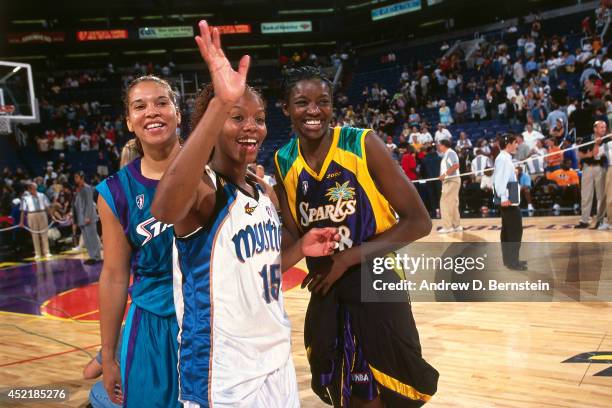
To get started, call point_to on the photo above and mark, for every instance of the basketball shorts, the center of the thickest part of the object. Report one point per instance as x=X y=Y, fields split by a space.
x=278 y=390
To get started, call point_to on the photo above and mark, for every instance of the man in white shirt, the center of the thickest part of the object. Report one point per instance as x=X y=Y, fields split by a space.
x=605 y=149
x=425 y=136
x=512 y=222
x=451 y=183
x=36 y=205
x=443 y=134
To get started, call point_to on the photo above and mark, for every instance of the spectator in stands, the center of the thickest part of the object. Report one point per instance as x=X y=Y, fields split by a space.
x=425 y=137
x=444 y=111
x=478 y=109
x=35 y=207
x=408 y=160
x=522 y=150
x=557 y=132
x=460 y=110
x=85 y=141
x=85 y=217
x=566 y=187
x=413 y=118
x=443 y=134
x=553 y=162
x=479 y=164
x=260 y=172
x=58 y=142
x=451 y=183
x=464 y=143
x=593 y=175
x=530 y=136
x=525 y=185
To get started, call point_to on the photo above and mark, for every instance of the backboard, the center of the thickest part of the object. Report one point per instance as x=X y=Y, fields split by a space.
x=17 y=90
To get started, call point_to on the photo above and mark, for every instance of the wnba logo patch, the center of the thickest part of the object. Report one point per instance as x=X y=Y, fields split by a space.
x=140 y=201
x=360 y=378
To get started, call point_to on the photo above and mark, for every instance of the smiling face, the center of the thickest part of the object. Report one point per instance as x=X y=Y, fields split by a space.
x=309 y=107
x=152 y=114
x=244 y=130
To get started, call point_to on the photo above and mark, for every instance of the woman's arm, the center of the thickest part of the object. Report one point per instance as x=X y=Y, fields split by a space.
x=414 y=221
x=114 y=281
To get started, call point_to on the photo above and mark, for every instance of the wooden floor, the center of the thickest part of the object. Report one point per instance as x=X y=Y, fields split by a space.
x=488 y=354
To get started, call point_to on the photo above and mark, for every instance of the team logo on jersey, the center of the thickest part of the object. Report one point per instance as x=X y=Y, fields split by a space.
x=248 y=209
x=304 y=186
x=343 y=197
x=150 y=229
x=594 y=357
x=140 y=201
x=255 y=239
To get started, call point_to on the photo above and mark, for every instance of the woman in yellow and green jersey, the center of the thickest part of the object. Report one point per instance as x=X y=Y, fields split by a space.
x=360 y=354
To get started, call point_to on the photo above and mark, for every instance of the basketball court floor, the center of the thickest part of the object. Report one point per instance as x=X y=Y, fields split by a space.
x=489 y=354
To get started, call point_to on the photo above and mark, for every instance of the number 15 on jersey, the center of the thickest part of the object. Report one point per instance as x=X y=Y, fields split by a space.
x=271 y=281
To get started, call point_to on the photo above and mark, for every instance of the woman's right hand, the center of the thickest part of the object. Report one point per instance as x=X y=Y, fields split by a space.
x=111 y=377
x=229 y=85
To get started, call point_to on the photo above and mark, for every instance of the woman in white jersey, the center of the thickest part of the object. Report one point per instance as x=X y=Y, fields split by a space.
x=235 y=335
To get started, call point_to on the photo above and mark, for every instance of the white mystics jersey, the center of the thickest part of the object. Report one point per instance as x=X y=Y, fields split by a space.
x=234 y=328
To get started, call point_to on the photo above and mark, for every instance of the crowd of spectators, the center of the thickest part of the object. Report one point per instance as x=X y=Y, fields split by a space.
x=538 y=87
x=546 y=89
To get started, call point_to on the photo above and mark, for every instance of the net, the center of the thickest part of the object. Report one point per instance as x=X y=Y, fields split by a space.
x=5 y=118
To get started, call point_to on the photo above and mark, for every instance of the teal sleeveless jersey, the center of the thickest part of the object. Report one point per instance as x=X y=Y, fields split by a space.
x=129 y=195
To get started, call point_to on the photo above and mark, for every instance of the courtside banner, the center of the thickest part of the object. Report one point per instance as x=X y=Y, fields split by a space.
x=153 y=33
x=286 y=27
x=395 y=9
x=475 y=272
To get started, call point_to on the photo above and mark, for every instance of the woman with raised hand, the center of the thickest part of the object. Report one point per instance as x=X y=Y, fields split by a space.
x=235 y=341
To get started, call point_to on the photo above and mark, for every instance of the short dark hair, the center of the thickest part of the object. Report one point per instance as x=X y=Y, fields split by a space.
x=306 y=73
x=506 y=139
x=445 y=142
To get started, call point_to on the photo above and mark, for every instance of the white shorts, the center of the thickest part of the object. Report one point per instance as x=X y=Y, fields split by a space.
x=279 y=390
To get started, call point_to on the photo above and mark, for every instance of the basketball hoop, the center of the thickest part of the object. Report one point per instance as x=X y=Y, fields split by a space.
x=5 y=118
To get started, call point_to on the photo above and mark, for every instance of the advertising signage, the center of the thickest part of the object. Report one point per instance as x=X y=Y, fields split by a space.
x=286 y=27
x=234 y=29
x=100 y=35
x=395 y=9
x=36 y=37
x=153 y=33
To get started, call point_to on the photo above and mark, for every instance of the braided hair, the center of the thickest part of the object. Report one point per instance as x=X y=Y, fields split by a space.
x=307 y=73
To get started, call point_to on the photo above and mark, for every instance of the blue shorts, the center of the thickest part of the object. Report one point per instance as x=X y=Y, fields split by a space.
x=149 y=360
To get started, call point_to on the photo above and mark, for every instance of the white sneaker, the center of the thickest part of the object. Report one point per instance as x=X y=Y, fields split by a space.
x=604 y=226
x=445 y=231
x=49 y=255
x=556 y=207
x=530 y=207
x=576 y=207
x=458 y=229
